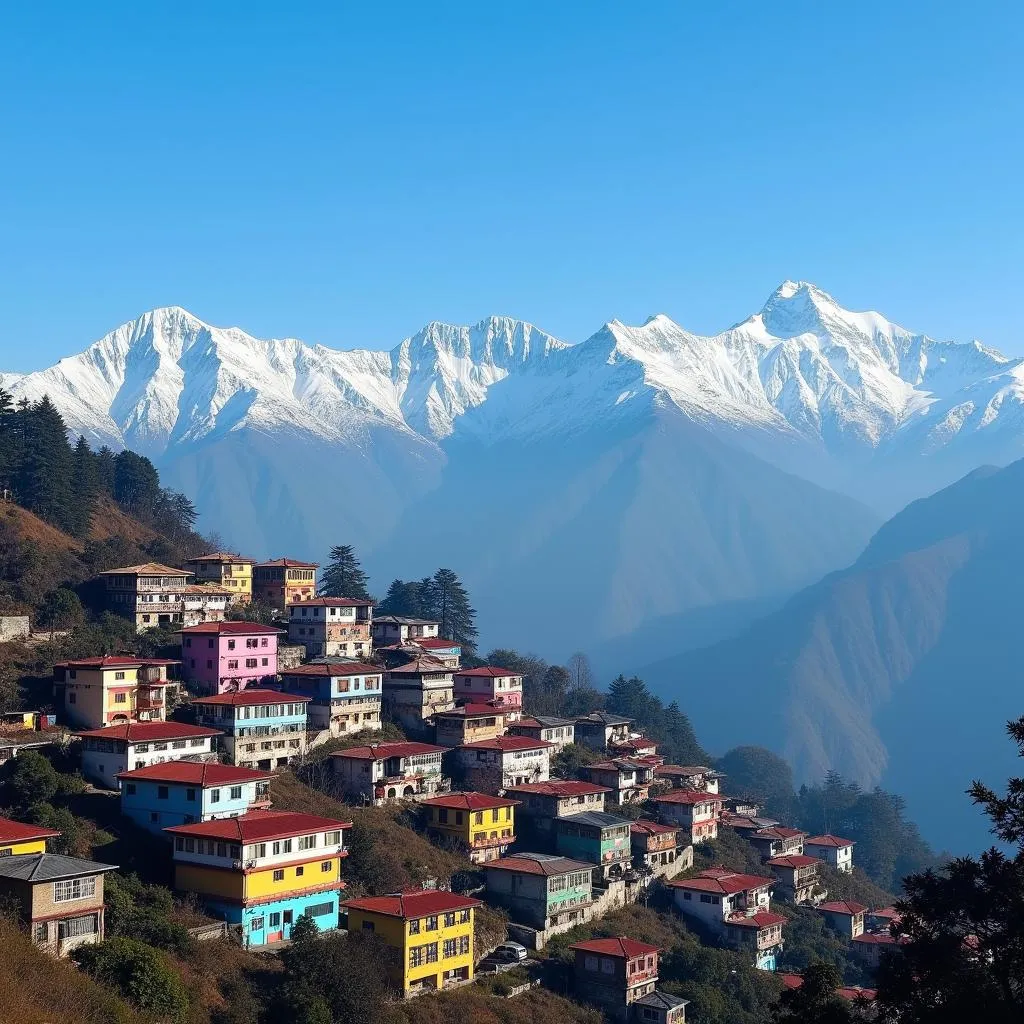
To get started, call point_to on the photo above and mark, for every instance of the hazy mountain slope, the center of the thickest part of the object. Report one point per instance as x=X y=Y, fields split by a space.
x=901 y=669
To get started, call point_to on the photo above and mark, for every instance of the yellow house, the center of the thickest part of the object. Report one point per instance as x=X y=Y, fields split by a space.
x=283 y=581
x=263 y=870
x=484 y=825
x=113 y=690
x=17 y=838
x=232 y=572
x=430 y=931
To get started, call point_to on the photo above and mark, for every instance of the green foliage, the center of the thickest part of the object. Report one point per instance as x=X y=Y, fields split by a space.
x=571 y=758
x=343 y=576
x=815 y=1001
x=28 y=779
x=139 y=910
x=61 y=609
x=441 y=598
x=141 y=974
x=761 y=775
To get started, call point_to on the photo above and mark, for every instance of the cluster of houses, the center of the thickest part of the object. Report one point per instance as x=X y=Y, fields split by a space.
x=553 y=851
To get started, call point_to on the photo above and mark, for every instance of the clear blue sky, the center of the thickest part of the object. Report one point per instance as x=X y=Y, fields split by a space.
x=344 y=173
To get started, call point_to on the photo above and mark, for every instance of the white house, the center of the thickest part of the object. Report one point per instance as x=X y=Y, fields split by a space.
x=715 y=895
x=122 y=748
x=695 y=809
x=559 y=732
x=832 y=849
x=380 y=772
x=333 y=627
x=496 y=764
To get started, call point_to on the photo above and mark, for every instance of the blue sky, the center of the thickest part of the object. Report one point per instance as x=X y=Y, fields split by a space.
x=344 y=173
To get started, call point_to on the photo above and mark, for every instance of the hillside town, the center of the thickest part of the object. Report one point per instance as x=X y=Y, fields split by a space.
x=189 y=747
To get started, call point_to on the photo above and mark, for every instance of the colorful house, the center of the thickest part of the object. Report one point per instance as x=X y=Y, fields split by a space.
x=696 y=810
x=559 y=732
x=415 y=691
x=469 y=723
x=17 y=838
x=542 y=891
x=231 y=573
x=760 y=934
x=430 y=931
x=497 y=764
x=150 y=594
x=832 y=850
x=483 y=825
x=218 y=657
x=395 y=630
x=113 y=690
x=381 y=772
x=488 y=684
x=628 y=778
x=332 y=627
x=448 y=652
x=657 y=846
x=659 y=1007
x=870 y=947
x=344 y=697
x=283 y=581
x=263 y=871
x=184 y=792
x=58 y=899
x=261 y=728
x=845 y=917
x=614 y=973
x=543 y=802
x=107 y=753
x=601 y=839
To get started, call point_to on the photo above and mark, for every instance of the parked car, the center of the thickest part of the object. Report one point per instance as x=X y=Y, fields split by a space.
x=510 y=952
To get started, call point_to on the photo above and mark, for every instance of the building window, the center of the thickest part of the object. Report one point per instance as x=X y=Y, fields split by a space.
x=120 y=698
x=236 y=792
x=432 y=924
x=214 y=796
x=299 y=872
x=279 y=875
x=414 y=927
x=307 y=842
x=250 y=662
x=464 y=917
x=256 y=925
x=332 y=839
x=74 y=889
x=119 y=675
x=449 y=920
x=275 y=919
x=130 y=788
x=162 y=792
x=190 y=794
x=318 y=910
x=449 y=949
x=87 y=924
x=326 y=865
x=42 y=932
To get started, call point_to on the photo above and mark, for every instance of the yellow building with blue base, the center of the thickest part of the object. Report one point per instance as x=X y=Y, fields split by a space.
x=263 y=871
x=430 y=932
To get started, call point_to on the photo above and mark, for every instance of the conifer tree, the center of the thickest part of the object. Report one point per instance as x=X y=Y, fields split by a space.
x=344 y=576
x=448 y=602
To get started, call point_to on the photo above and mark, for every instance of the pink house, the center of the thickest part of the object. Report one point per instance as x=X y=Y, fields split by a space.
x=220 y=657
x=487 y=683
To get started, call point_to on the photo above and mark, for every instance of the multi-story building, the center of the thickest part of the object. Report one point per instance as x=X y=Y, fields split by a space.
x=17 y=838
x=488 y=684
x=184 y=792
x=149 y=594
x=448 y=652
x=602 y=730
x=469 y=723
x=332 y=627
x=395 y=630
x=113 y=690
x=658 y=846
x=344 y=698
x=231 y=573
x=832 y=850
x=638 y=747
x=660 y=1007
x=614 y=973
x=484 y=826
x=696 y=810
x=490 y=766
x=759 y=934
x=628 y=778
x=688 y=776
x=799 y=878
x=218 y=657
x=380 y=772
x=777 y=841
x=430 y=931
x=59 y=900
x=107 y=753
x=601 y=839
x=263 y=871
x=846 y=917
x=204 y=602
x=415 y=691
x=542 y=891
x=261 y=729
x=543 y=802
x=283 y=581
x=559 y=732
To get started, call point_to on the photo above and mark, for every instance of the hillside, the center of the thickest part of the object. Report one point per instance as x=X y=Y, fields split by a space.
x=898 y=670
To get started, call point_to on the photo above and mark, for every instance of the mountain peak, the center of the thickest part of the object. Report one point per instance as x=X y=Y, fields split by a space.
x=797 y=307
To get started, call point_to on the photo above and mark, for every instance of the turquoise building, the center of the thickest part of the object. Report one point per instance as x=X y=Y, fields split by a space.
x=262 y=729
x=602 y=839
x=542 y=890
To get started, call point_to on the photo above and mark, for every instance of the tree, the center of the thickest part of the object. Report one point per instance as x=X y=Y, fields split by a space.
x=962 y=954
x=403 y=598
x=84 y=487
x=447 y=602
x=61 y=609
x=343 y=576
x=761 y=775
x=815 y=1001
x=32 y=780
x=631 y=699
x=141 y=974
x=581 y=675
x=136 y=484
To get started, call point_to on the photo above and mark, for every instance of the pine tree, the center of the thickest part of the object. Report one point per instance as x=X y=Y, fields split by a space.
x=403 y=598
x=344 y=576
x=448 y=604
x=43 y=482
x=84 y=486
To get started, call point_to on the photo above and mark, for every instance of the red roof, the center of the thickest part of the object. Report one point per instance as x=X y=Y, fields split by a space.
x=332 y=602
x=642 y=827
x=791 y=980
x=431 y=643
x=794 y=860
x=504 y=743
x=287 y=563
x=538 y=864
x=258 y=826
x=688 y=796
x=723 y=882
x=622 y=947
x=778 y=832
x=889 y=913
x=855 y=992
x=230 y=628
x=380 y=751
x=335 y=668
x=762 y=919
x=618 y=764
x=471 y=711
x=490 y=671
x=828 y=840
x=198 y=773
x=18 y=832
x=635 y=744
x=420 y=903
x=843 y=907
x=468 y=801
x=222 y=556
x=145 y=732
x=559 y=787
x=875 y=939
x=114 y=661
x=244 y=698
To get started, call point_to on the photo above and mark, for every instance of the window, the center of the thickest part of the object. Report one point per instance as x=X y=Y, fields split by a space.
x=214 y=796
x=431 y=924
x=318 y=910
x=326 y=865
x=141 y=748
x=178 y=745
x=300 y=871
x=464 y=917
x=449 y=920
x=414 y=927
x=119 y=675
x=279 y=875
x=307 y=842
x=368 y=926
x=256 y=925
x=120 y=698
x=130 y=788
x=449 y=949
x=464 y=945
x=87 y=924
x=190 y=845
x=231 y=645
x=162 y=792
x=222 y=849
x=233 y=663
x=250 y=662
x=236 y=792
x=275 y=920
x=332 y=839
x=442 y=815
x=74 y=889
x=42 y=932
x=607 y=965
x=190 y=794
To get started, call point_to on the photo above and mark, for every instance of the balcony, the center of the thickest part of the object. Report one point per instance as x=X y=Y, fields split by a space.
x=151 y=700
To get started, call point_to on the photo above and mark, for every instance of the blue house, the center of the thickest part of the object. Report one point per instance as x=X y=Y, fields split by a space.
x=262 y=729
x=182 y=792
x=344 y=697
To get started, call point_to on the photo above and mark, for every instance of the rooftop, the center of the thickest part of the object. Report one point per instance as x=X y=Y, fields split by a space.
x=795 y=860
x=146 y=569
x=435 y=643
x=620 y=946
x=332 y=602
x=49 y=867
x=18 y=832
x=507 y=743
x=687 y=769
x=420 y=903
x=559 y=788
x=722 y=882
x=642 y=827
x=488 y=671
x=836 y=842
x=687 y=796
x=538 y=864
x=545 y=722
x=146 y=732
x=287 y=563
x=229 y=627
x=197 y=773
x=417 y=666
x=603 y=718
x=662 y=1000
x=472 y=711
x=778 y=832
x=259 y=826
x=222 y=556
x=850 y=907
x=762 y=919
x=382 y=751
x=115 y=661
x=248 y=698
x=468 y=801
x=405 y=620
x=596 y=819
x=334 y=668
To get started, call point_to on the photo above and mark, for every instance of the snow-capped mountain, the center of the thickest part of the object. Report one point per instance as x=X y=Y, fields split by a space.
x=495 y=439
